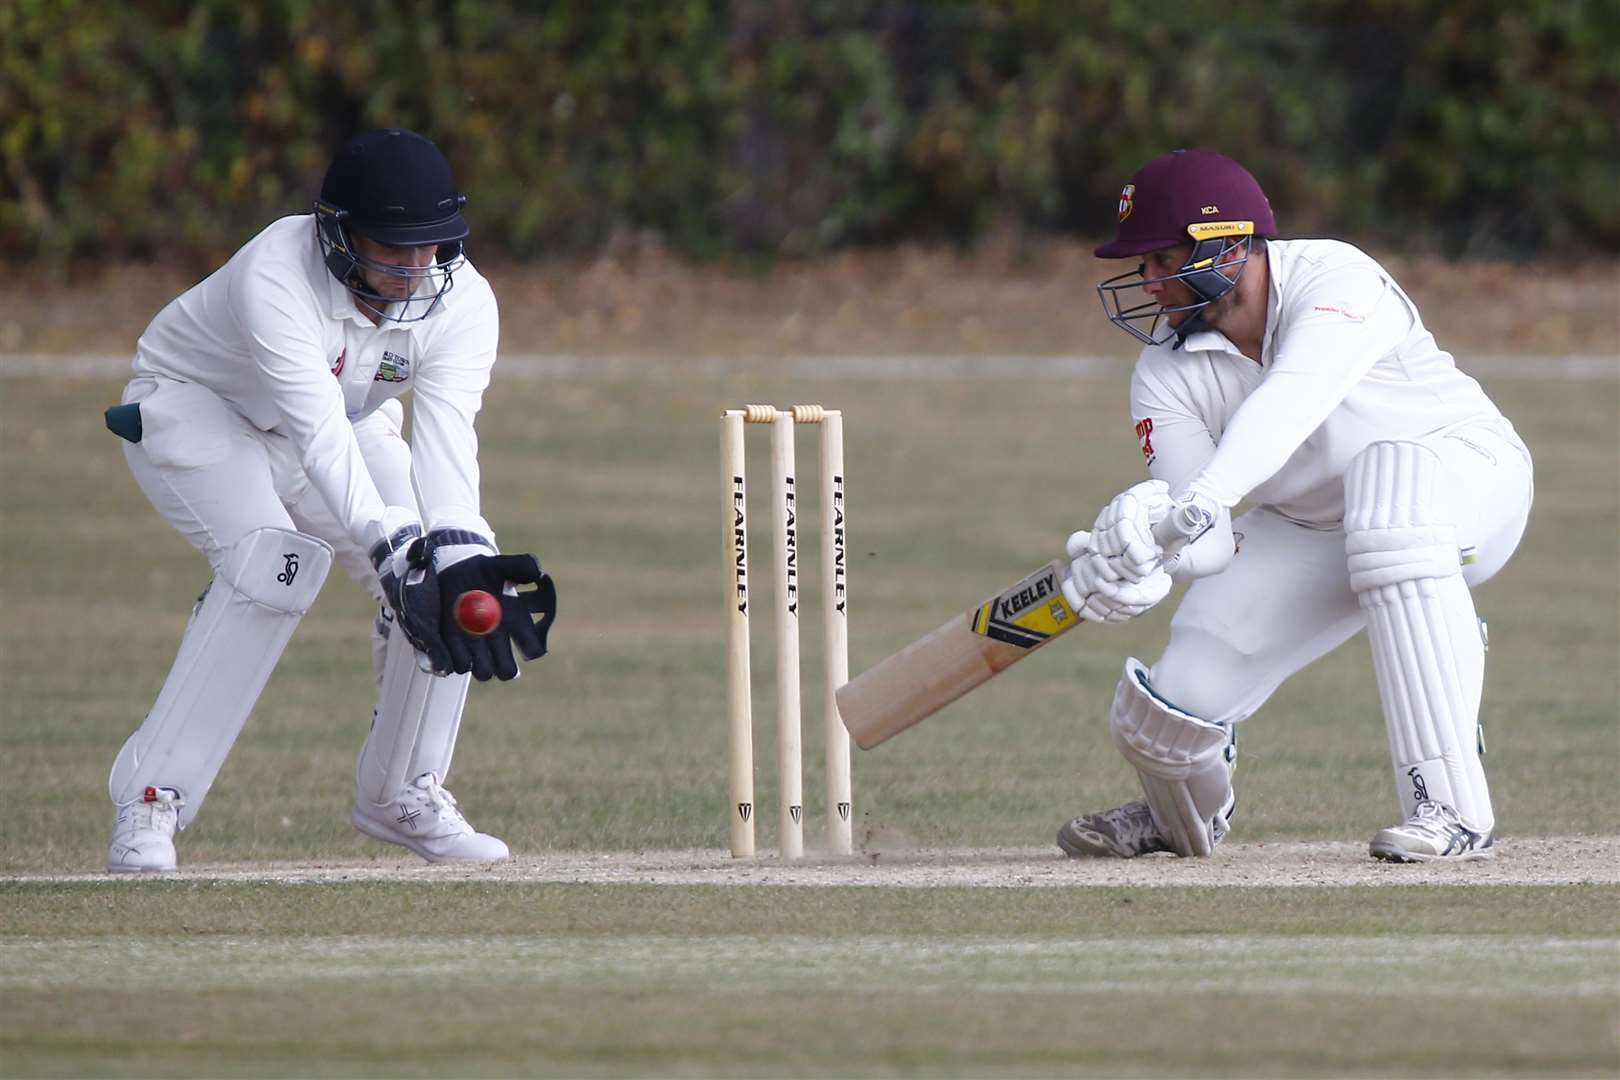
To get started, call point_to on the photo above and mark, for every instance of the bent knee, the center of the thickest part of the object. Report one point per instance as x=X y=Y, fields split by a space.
x=1210 y=677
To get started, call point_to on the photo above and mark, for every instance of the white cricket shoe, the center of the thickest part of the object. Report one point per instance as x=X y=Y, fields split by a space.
x=1434 y=831
x=143 y=833
x=424 y=818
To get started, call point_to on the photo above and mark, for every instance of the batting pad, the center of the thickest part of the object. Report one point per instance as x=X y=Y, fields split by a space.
x=1181 y=760
x=414 y=728
x=263 y=586
x=1428 y=656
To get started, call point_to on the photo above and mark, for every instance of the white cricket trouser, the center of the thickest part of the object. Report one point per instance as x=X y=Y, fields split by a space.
x=215 y=477
x=1285 y=600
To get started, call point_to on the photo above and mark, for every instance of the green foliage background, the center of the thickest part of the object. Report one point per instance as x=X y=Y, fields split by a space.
x=141 y=129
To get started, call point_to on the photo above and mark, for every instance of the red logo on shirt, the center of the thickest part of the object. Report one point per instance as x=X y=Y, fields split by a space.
x=337 y=365
x=1352 y=316
x=1144 y=435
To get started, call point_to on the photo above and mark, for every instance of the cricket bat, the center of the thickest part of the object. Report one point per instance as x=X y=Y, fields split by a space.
x=976 y=646
x=971 y=648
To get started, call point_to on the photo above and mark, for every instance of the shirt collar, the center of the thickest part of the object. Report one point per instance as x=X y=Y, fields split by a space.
x=1215 y=341
x=340 y=303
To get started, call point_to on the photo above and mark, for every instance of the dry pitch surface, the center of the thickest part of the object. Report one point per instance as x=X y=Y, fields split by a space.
x=1567 y=860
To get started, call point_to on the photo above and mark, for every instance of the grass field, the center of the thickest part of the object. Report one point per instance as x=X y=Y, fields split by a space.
x=580 y=980
x=616 y=742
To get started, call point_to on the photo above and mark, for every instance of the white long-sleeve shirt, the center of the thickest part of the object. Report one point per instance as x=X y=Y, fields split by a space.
x=1345 y=362
x=275 y=335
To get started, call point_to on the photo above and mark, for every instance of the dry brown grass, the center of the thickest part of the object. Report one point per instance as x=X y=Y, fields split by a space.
x=1009 y=297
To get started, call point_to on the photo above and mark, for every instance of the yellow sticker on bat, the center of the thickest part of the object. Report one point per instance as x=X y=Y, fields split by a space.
x=1027 y=614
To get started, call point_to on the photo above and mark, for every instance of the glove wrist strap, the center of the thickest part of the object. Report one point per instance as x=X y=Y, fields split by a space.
x=392 y=543
x=457 y=537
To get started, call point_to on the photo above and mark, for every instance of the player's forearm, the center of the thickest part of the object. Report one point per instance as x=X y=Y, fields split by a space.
x=1268 y=428
x=1334 y=335
x=333 y=461
x=445 y=463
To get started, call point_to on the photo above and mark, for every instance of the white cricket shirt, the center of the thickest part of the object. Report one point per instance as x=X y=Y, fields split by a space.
x=275 y=335
x=1346 y=362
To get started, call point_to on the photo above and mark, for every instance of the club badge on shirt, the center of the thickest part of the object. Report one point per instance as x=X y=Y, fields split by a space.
x=394 y=368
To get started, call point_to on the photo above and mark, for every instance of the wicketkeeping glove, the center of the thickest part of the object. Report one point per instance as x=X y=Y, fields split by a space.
x=408 y=583
x=461 y=561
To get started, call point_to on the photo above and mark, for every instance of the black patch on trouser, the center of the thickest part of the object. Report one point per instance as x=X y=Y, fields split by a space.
x=124 y=421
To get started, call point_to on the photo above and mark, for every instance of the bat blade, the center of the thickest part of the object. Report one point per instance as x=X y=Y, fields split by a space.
x=941 y=666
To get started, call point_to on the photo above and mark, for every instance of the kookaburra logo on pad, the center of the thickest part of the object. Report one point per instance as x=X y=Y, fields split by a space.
x=1419 y=789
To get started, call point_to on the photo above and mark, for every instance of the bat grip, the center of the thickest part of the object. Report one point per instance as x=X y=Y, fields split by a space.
x=1184 y=523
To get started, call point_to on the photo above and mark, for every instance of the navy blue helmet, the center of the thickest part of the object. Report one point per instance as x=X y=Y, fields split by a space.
x=393 y=187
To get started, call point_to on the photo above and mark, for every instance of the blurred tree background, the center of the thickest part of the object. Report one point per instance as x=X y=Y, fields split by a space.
x=144 y=130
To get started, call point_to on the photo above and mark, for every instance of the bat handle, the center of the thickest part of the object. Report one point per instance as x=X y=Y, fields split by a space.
x=1184 y=523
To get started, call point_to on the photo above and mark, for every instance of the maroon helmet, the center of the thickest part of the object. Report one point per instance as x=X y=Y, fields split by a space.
x=1170 y=194
x=1185 y=196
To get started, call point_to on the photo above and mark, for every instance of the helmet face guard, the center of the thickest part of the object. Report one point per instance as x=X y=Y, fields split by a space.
x=1209 y=272
x=394 y=188
x=426 y=284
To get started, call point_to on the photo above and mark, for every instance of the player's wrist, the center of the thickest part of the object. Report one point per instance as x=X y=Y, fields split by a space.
x=394 y=531
x=1201 y=499
x=451 y=546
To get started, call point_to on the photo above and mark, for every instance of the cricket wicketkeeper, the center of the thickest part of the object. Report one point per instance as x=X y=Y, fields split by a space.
x=264 y=423
x=1294 y=375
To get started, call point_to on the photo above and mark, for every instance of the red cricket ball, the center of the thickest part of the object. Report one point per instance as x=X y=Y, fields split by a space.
x=478 y=612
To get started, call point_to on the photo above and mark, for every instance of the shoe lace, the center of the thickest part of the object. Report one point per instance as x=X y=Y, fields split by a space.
x=161 y=812
x=1434 y=817
x=442 y=800
x=1132 y=822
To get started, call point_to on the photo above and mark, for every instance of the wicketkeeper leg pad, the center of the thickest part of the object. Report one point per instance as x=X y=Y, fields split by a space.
x=414 y=728
x=1402 y=551
x=1184 y=762
x=261 y=589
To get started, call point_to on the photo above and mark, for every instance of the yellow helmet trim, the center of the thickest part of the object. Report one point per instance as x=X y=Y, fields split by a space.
x=1206 y=230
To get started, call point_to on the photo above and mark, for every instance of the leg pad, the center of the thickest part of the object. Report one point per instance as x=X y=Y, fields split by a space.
x=1402 y=552
x=1184 y=762
x=263 y=586
x=414 y=728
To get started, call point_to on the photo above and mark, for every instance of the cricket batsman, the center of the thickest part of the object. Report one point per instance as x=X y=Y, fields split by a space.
x=1296 y=377
x=264 y=423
